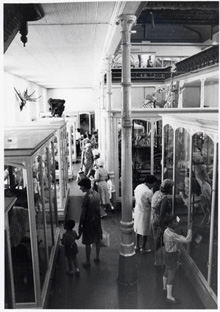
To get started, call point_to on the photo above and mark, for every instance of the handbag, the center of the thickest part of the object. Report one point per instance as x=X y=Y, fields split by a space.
x=105 y=242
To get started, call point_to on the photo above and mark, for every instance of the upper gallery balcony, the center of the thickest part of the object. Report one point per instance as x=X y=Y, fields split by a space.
x=200 y=60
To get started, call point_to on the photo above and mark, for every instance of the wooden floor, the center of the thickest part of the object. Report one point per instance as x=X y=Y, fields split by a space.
x=98 y=287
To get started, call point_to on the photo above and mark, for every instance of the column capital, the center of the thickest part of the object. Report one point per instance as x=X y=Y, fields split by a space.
x=126 y=21
x=109 y=58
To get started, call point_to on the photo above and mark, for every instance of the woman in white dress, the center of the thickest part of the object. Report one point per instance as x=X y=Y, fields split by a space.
x=142 y=212
x=101 y=177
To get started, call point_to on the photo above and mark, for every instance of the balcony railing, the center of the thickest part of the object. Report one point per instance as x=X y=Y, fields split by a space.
x=143 y=74
x=203 y=59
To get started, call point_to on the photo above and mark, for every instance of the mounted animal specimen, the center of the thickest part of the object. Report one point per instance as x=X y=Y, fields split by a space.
x=25 y=97
x=56 y=107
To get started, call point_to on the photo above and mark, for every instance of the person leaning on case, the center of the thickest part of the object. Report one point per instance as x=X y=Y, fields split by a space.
x=172 y=240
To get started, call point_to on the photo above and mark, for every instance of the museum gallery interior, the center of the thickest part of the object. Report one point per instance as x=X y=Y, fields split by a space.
x=141 y=79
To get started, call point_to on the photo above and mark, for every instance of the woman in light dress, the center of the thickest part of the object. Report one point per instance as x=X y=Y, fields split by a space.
x=101 y=177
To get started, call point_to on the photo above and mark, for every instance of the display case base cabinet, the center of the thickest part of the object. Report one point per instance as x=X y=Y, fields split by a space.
x=200 y=285
x=45 y=294
x=61 y=211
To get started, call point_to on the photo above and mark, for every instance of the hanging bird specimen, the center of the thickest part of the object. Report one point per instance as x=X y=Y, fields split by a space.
x=25 y=97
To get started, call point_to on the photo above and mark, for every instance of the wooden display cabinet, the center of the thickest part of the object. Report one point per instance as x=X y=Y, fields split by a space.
x=31 y=221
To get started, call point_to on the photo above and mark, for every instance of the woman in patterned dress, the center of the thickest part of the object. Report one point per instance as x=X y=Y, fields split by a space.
x=87 y=160
x=161 y=207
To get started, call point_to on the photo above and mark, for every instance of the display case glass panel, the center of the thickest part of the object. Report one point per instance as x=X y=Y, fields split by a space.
x=168 y=152
x=146 y=152
x=65 y=162
x=202 y=172
x=41 y=164
x=182 y=161
x=19 y=231
x=214 y=255
x=141 y=150
x=49 y=207
x=71 y=153
x=157 y=148
x=53 y=186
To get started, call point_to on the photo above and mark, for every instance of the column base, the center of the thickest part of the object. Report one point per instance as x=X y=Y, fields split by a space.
x=127 y=270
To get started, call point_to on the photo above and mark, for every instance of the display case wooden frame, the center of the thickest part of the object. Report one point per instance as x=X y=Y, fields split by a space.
x=21 y=149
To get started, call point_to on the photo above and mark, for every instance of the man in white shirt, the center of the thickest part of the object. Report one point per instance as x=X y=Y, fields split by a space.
x=142 y=212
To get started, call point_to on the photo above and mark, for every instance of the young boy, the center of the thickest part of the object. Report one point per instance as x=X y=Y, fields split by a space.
x=171 y=242
x=71 y=249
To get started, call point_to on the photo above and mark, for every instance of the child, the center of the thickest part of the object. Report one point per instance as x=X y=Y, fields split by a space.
x=110 y=190
x=92 y=179
x=171 y=242
x=80 y=176
x=71 y=249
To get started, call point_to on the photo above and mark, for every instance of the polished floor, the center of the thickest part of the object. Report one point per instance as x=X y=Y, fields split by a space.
x=99 y=288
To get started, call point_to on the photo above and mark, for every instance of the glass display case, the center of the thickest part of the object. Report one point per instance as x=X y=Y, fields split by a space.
x=86 y=122
x=71 y=143
x=31 y=220
x=61 y=155
x=195 y=196
x=146 y=148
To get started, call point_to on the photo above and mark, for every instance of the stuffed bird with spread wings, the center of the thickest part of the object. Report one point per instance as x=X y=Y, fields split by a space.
x=25 y=97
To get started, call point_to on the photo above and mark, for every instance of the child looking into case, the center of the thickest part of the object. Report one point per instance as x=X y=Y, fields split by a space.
x=71 y=249
x=171 y=243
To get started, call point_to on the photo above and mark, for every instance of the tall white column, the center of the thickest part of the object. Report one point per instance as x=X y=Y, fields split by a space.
x=102 y=121
x=127 y=258
x=202 y=93
x=180 y=99
x=152 y=147
x=109 y=121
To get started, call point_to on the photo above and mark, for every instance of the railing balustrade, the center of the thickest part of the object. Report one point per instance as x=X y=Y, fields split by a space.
x=203 y=59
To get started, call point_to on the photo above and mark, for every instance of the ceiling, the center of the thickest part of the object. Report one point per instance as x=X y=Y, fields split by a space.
x=67 y=48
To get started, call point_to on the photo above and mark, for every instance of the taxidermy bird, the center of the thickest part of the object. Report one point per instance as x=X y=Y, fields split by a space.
x=25 y=97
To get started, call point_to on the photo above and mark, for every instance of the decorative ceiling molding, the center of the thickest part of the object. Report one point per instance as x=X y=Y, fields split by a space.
x=16 y=18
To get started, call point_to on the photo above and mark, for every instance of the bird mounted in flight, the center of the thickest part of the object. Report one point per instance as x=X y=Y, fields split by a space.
x=25 y=97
